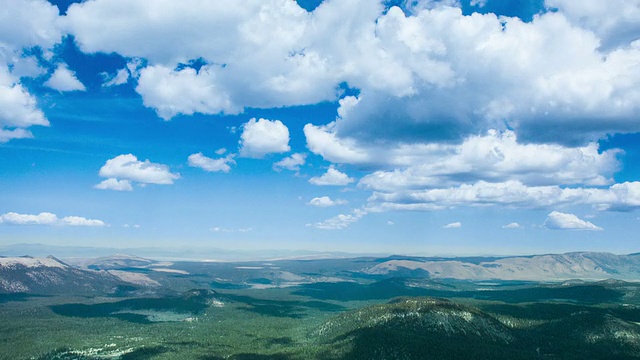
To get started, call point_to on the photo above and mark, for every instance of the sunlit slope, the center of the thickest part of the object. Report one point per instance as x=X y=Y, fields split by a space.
x=577 y=265
x=52 y=276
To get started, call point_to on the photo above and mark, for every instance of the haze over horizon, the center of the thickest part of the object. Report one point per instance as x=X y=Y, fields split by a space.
x=431 y=127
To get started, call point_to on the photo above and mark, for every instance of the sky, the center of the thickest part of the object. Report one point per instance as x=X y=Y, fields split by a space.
x=416 y=127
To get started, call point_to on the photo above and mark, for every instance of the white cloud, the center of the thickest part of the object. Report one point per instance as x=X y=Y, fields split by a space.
x=617 y=197
x=292 y=162
x=186 y=92
x=548 y=79
x=121 y=77
x=453 y=225
x=80 y=221
x=46 y=218
x=261 y=137
x=64 y=79
x=229 y=37
x=513 y=225
x=325 y=201
x=341 y=221
x=128 y=167
x=18 y=109
x=616 y=22
x=225 y=230
x=26 y=66
x=6 y=135
x=532 y=76
x=323 y=141
x=114 y=184
x=563 y=221
x=496 y=156
x=211 y=165
x=332 y=177
x=23 y=25
x=29 y=23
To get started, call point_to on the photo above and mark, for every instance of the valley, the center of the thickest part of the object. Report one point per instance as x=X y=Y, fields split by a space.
x=126 y=307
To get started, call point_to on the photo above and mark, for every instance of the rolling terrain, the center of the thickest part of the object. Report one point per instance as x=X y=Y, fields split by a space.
x=128 y=307
x=553 y=267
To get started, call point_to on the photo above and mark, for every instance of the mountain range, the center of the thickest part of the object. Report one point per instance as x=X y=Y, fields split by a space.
x=551 y=267
x=45 y=275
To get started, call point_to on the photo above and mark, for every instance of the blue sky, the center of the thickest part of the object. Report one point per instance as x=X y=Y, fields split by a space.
x=433 y=127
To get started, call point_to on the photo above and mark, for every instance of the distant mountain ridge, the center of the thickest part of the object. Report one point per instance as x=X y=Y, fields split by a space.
x=105 y=275
x=549 y=267
x=177 y=253
x=26 y=274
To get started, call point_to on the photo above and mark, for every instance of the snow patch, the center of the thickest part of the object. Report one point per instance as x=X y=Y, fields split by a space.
x=30 y=262
x=134 y=278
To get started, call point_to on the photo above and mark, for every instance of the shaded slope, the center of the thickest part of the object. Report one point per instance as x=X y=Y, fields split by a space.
x=427 y=328
x=418 y=328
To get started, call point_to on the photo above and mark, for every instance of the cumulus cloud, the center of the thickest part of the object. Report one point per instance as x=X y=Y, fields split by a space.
x=549 y=79
x=341 y=221
x=616 y=22
x=228 y=37
x=496 y=156
x=292 y=162
x=563 y=221
x=325 y=201
x=211 y=165
x=23 y=25
x=46 y=218
x=19 y=108
x=541 y=92
x=525 y=75
x=80 y=221
x=478 y=3
x=64 y=79
x=323 y=141
x=186 y=92
x=128 y=168
x=453 y=225
x=29 y=23
x=114 y=184
x=513 y=225
x=261 y=137
x=332 y=177
x=617 y=197
x=121 y=77
x=496 y=169
x=225 y=230
x=6 y=135
x=26 y=66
